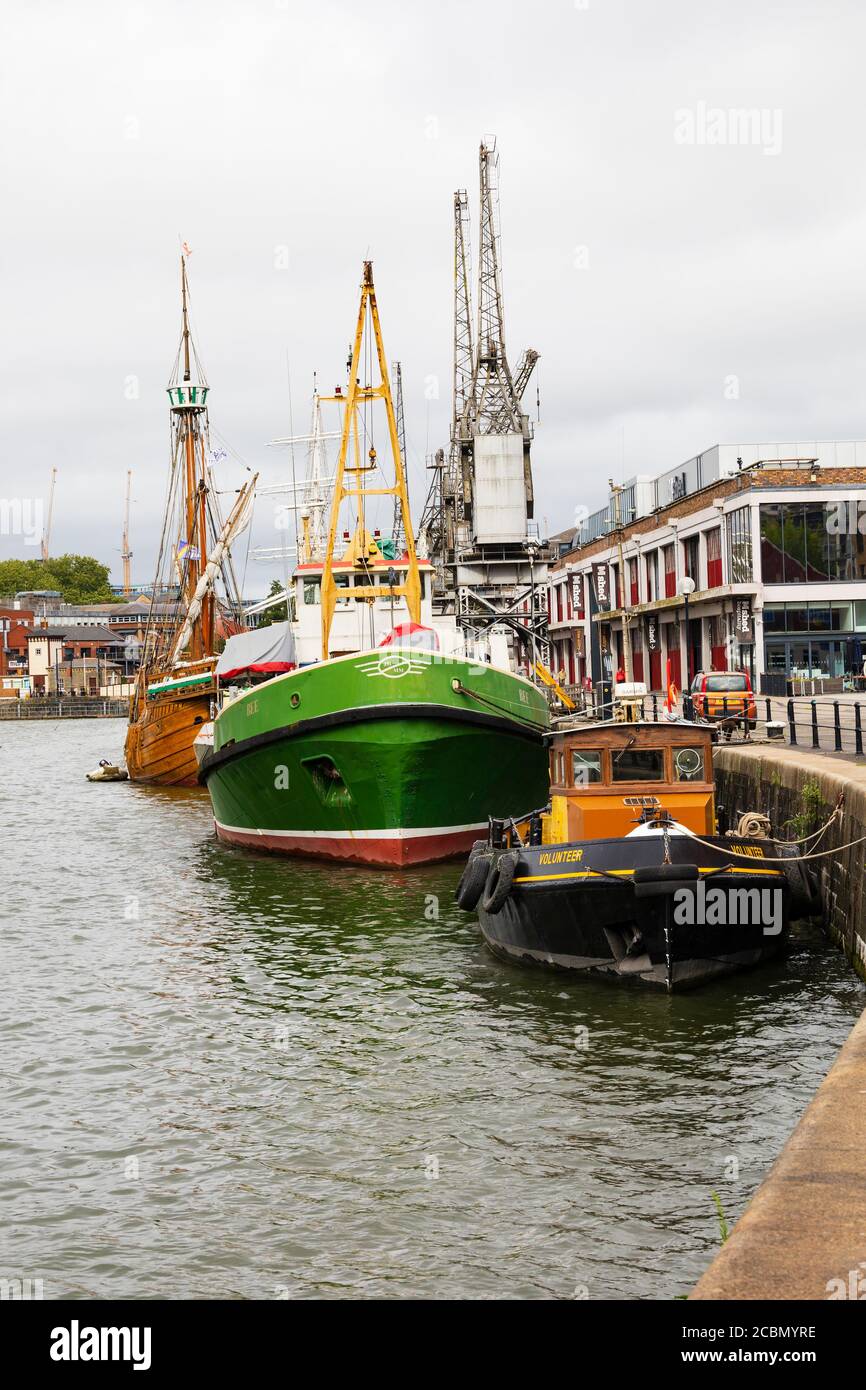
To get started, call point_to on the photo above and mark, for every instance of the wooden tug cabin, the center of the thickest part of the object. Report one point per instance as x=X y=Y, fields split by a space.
x=606 y=778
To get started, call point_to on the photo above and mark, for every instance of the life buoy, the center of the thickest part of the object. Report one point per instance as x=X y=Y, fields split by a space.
x=499 y=881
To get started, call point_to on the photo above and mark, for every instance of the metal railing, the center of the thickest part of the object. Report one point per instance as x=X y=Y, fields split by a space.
x=96 y=707
x=834 y=726
x=844 y=733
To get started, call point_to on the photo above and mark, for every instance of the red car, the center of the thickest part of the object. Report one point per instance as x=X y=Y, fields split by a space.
x=724 y=695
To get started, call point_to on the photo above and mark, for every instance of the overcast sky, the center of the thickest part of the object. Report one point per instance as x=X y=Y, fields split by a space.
x=681 y=290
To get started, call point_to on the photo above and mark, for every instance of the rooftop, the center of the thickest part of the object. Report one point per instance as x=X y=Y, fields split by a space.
x=73 y=633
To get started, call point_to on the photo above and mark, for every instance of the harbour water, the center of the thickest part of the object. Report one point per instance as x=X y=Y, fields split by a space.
x=227 y=1075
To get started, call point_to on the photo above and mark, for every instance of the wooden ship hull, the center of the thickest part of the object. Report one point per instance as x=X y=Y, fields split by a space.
x=159 y=743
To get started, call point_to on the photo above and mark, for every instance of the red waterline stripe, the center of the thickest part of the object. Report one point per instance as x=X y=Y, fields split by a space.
x=388 y=852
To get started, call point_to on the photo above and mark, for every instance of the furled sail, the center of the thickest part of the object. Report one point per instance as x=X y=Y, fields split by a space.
x=238 y=520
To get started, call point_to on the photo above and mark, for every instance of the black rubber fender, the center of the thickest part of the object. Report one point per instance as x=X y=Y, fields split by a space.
x=474 y=877
x=804 y=895
x=499 y=881
x=663 y=880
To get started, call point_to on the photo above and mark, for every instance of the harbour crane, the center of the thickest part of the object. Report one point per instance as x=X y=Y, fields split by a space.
x=46 y=530
x=477 y=525
x=125 y=552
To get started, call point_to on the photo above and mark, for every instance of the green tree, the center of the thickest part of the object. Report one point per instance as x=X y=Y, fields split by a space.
x=79 y=578
x=277 y=614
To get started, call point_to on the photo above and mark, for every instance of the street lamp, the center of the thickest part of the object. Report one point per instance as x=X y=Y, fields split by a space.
x=532 y=549
x=686 y=587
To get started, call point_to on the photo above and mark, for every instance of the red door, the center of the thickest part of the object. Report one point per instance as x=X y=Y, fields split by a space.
x=655 y=670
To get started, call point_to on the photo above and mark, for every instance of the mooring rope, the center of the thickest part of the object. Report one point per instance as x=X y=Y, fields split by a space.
x=784 y=859
x=460 y=689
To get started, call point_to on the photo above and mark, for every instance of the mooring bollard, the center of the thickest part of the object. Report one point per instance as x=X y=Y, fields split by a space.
x=816 y=742
x=837 y=728
x=792 y=727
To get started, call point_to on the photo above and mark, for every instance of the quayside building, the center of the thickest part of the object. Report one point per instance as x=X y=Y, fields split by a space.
x=773 y=538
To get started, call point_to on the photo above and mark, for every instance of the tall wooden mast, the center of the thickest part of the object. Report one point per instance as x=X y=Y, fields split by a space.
x=363 y=550
x=188 y=398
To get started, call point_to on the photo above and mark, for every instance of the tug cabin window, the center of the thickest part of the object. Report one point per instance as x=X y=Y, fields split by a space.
x=688 y=764
x=585 y=766
x=638 y=765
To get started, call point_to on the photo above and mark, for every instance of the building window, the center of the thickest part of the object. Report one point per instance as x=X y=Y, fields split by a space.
x=691 y=559
x=652 y=582
x=714 y=558
x=800 y=544
x=559 y=603
x=740 y=547
x=634 y=591
x=718 y=646
x=670 y=564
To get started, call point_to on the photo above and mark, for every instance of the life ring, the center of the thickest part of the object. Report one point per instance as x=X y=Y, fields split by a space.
x=499 y=881
x=473 y=878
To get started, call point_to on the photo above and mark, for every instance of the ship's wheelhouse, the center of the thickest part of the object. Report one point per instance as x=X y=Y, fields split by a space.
x=605 y=778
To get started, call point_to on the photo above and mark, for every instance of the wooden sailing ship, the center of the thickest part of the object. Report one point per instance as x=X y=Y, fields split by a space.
x=187 y=620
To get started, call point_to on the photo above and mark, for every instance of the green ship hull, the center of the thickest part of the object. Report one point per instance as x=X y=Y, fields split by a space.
x=390 y=757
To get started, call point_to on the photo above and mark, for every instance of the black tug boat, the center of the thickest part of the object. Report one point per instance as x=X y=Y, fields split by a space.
x=626 y=873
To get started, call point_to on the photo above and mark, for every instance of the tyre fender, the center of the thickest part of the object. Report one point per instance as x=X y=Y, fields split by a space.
x=473 y=878
x=499 y=881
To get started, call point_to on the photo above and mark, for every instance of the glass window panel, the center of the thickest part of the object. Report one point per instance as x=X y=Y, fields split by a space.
x=860 y=616
x=819 y=618
x=841 y=563
x=842 y=616
x=777 y=656
x=585 y=766
x=690 y=559
x=796 y=617
x=816 y=543
x=772 y=548
x=740 y=545
x=794 y=541
x=688 y=765
x=821 y=657
x=774 y=620
x=638 y=765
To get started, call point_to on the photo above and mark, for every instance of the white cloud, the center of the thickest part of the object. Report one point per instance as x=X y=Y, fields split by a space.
x=339 y=133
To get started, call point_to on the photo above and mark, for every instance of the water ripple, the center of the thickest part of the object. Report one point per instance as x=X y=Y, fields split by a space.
x=228 y=1076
